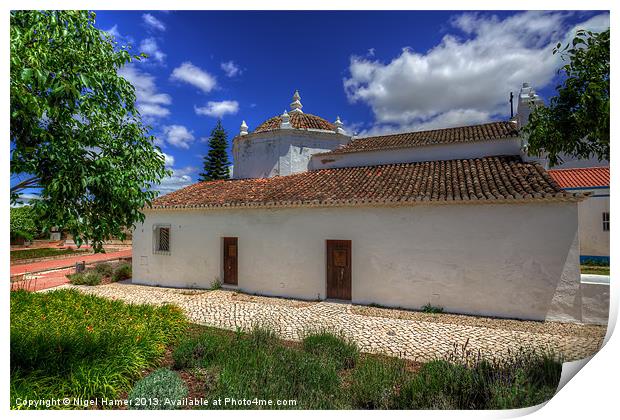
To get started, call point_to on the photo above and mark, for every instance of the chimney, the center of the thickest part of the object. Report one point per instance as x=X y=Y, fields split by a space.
x=527 y=101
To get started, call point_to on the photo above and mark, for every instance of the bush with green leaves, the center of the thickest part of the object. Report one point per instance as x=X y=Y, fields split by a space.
x=104 y=269
x=342 y=351
x=122 y=272
x=161 y=390
x=87 y=278
x=82 y=346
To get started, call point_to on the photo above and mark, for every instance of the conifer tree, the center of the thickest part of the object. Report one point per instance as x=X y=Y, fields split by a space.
x=215 y=165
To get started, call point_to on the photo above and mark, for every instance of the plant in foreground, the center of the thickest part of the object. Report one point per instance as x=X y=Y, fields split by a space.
x=342 y=351
x=374 y=383
x=88 y=278
x=104 y=269
x=81 y=346
x=122 y=272
x=430 y=309
x=158 y=391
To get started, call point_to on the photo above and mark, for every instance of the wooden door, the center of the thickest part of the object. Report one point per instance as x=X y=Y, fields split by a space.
x=230 y=260
x=339 y=269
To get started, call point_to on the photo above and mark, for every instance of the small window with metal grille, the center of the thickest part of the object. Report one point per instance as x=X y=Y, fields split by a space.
x=161 y=239
x=606 y=221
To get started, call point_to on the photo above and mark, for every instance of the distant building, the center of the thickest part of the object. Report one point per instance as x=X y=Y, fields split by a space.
x=593 y=212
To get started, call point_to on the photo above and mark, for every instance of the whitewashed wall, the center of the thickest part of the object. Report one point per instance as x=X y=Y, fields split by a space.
x=419 y=154
x=594 y=241
x=504 y=260
x=280 y=152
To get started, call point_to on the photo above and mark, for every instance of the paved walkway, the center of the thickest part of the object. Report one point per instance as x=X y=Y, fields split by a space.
x=67 y=262
x=422 y=339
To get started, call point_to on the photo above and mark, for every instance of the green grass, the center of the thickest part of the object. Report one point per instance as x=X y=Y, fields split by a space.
x=525 y=378
x=64 y=343
x=595 y=269
x=26 y=254
x=317 y=376
x=375 y=381
x=341 y=351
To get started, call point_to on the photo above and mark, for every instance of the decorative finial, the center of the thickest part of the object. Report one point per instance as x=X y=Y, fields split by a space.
x=243 y=130
x=286 y=122
x=338 y=124
x=296 y=105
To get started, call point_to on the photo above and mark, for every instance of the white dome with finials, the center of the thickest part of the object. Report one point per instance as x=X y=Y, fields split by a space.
x=297 y=118
x=284 y=144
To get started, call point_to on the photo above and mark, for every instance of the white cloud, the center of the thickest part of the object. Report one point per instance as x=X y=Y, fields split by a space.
x=218 y=109
x=150 y=47
x=169 y=159
x=180 y=178
x=114 y=31
x=178 y=136
x=230 y=68
x=118 y=37
x=189 y=73
x=462 y=80
x=153 y=23
x=150 y=102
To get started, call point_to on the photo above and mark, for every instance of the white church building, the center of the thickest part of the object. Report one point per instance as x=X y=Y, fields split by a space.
x=458 y=217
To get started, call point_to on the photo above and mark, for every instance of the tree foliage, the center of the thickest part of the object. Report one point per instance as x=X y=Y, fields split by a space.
x=576 y=122
x=24 y=223
x=77 y=138
x=215 y=165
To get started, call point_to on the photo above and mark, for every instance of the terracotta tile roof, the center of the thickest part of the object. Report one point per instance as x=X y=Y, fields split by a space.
x=581 y=177
x=497 y=178
x=298 y=120
x=472 y=133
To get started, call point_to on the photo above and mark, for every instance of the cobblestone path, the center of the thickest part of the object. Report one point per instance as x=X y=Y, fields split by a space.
x=383 y=331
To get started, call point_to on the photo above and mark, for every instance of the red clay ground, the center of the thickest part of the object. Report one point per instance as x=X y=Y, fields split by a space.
x=67 y=262
x=53 y=272
x=44 y=280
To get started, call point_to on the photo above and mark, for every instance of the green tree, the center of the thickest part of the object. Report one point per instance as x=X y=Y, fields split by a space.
x=576 y=122
x=77 y=138
x=215 y=165
x=23 y=223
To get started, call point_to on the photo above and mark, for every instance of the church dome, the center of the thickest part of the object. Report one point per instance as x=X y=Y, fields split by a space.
x=297 y=120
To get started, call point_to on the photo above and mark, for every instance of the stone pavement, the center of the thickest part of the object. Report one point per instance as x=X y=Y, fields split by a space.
x=415 y=339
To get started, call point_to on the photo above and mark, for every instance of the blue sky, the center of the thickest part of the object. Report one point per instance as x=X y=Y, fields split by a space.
x=379 y=71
